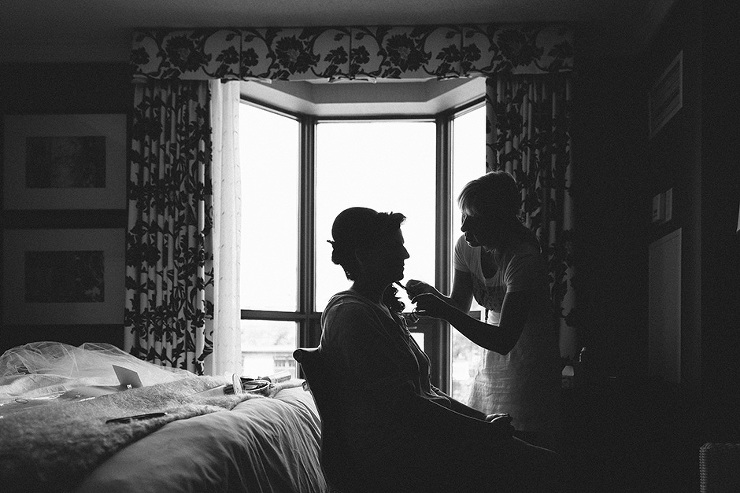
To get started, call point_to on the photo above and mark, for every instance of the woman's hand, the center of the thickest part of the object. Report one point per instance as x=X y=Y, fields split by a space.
x=431 y=305
x=415 y=288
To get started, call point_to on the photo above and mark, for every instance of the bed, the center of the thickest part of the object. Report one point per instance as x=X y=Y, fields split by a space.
x=55 y=401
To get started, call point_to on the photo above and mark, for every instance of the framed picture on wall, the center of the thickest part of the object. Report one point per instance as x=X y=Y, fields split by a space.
x=63 y=276
x=65 y=161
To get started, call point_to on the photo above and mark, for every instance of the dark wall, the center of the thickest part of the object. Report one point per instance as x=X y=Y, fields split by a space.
x=696 y=154
x=619 y=169
x=612 y=212
x=674 y=161
x=63 y=89
x=720 y=196
x=639 y=430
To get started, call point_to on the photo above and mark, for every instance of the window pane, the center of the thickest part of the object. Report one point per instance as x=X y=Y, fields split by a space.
x=387 y=166
x=267 y=347
x=419 y=338
x=468 y=163
x=270 y=169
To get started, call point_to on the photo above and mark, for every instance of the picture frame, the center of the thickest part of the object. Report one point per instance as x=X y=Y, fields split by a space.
x=64 y=161
x=63 y=276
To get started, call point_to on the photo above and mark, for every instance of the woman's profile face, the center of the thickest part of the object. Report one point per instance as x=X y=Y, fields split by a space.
x=386 y=260
x=481 y=230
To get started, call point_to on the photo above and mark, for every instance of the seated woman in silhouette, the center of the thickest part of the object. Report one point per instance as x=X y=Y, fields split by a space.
x=404 y=433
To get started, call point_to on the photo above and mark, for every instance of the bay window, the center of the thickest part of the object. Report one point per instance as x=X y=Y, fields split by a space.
x=300 y=170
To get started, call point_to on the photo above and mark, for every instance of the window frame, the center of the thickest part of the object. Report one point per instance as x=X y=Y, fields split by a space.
x=437 y=335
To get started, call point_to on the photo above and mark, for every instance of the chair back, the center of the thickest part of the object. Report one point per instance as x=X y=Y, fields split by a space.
x=338 y=470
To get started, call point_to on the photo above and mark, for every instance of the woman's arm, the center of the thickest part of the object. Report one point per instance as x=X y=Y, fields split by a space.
x=459 y=407
x=461 y=295
x=462 y=290
x=432 y=416
x=499 y=338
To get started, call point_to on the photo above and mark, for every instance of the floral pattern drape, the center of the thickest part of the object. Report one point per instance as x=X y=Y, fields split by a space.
x=169 y=251
x=351 y=52
x=528 y=135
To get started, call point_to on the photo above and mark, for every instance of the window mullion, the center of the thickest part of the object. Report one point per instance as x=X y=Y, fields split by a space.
x=442 y=247
x=444 y=203
x=309 y=332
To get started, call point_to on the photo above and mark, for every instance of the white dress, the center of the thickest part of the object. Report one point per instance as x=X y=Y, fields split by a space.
x=525 y=382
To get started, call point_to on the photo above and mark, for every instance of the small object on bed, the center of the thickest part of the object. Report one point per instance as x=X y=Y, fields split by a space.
x=236 y=384
x=281 y=376
x=128 y=379
x=136 y=417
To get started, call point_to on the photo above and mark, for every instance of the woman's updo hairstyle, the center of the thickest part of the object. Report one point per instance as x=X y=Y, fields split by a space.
x=494 y=194
x=360 y=228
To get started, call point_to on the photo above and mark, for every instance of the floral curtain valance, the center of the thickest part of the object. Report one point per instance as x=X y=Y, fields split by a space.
x=351 y=53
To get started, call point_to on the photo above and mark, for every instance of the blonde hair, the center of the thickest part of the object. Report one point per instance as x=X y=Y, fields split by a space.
x=494 y=194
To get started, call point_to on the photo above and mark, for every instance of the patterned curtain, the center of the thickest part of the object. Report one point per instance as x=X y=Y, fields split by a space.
x=169 y=247
x=355 y=52
x=528 y=135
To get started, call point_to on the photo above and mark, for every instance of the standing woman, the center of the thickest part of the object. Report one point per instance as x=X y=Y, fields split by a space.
x=402 y=433
x=498 y=262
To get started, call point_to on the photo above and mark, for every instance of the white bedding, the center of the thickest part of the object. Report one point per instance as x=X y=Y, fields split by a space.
x=262 y=445
x=54 y=439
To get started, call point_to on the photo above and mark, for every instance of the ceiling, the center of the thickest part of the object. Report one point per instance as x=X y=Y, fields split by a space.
x=100 y=30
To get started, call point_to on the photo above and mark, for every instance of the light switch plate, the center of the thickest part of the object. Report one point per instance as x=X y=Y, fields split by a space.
x=668 y=208
x=657 y=208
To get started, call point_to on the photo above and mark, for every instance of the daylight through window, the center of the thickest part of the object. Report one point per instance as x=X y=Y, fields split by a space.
x=387 y=165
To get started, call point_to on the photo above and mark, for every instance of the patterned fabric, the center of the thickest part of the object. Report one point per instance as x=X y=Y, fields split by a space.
x=490 y=297
x=489 y=293
x=528 y=135
x=169 y=250
x=351 y=52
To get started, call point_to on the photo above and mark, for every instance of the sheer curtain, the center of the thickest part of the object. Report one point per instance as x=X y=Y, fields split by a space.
x=225 y=325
